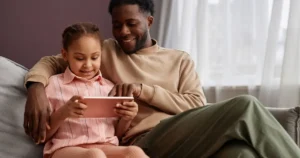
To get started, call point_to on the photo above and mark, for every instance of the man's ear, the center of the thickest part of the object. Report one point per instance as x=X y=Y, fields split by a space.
x=150 y=20
x=64 y=54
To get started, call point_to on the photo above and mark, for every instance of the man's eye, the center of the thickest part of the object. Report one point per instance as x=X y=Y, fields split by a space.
x=131 y=24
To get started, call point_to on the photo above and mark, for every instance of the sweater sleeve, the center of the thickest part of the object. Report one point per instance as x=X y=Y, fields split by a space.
x=44 y=68
x=189 y=95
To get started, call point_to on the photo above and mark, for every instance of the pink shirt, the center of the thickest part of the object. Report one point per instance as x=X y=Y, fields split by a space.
x=78 y=131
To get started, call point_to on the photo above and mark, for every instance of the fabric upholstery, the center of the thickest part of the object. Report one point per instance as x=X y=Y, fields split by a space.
x=14 y=142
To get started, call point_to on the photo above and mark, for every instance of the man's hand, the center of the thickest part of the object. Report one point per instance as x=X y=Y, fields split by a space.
x=37 y=112
x=133 y=89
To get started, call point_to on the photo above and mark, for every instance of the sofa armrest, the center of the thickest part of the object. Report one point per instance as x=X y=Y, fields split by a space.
x=289 y=118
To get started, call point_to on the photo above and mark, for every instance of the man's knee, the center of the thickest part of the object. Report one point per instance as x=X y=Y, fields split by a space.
x=247 y=98
x=246 y=101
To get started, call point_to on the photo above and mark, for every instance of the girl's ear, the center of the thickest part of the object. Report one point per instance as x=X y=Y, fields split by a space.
x=64 y=54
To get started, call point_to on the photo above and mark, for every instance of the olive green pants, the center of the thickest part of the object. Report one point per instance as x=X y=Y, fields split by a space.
x=239 y=127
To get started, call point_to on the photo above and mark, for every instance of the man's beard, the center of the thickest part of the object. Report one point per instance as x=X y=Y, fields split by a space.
x=140 y=43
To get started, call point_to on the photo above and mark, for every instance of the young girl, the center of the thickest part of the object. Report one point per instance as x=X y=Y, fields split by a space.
x=70 y=134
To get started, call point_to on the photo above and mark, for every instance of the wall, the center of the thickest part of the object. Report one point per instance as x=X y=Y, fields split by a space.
x=32 y=29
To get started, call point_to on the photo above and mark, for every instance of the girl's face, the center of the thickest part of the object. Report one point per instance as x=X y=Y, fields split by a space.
x=84 y=56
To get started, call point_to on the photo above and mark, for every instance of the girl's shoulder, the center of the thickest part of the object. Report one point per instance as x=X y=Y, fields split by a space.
x=56 y=77
x=107 y=82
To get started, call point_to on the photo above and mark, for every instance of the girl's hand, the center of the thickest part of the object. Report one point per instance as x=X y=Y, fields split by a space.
x=74 y=108
x=127 y=111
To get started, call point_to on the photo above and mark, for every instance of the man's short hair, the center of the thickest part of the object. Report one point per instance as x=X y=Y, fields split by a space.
x=146 y=6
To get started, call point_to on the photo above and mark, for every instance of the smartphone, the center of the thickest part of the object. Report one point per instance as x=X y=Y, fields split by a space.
x=103 y=106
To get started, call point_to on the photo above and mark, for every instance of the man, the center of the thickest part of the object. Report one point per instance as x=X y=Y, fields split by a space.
x=172 y=119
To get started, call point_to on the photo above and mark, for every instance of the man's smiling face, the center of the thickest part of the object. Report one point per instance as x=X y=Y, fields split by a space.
x=130 y=27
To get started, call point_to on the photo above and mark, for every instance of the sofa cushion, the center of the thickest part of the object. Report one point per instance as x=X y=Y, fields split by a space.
x=14 y=142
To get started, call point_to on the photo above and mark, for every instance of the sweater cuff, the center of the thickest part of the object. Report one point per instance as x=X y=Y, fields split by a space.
x=36 y=78
x=147 y=93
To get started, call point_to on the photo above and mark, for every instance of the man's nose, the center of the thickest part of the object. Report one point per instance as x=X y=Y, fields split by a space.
x=125 y=30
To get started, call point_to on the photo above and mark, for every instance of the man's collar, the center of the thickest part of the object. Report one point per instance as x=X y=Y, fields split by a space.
x=149 y=50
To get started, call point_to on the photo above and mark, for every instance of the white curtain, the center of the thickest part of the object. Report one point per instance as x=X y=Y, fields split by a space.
x=239 y=46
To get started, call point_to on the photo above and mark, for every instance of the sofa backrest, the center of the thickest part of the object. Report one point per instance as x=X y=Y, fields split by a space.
x=14 y=142
x=289 y=118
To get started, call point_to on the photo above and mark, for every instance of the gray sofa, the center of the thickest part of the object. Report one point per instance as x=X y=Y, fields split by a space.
x=15 y=144
x=289 y=118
